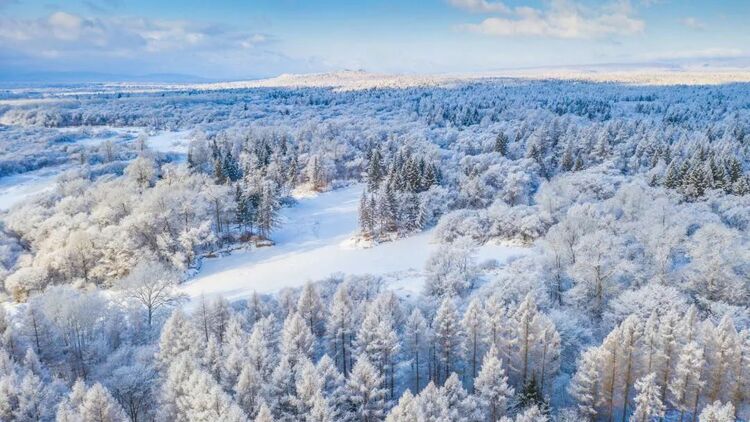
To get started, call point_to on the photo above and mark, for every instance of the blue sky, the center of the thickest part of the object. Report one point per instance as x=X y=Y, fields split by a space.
x=236 y=39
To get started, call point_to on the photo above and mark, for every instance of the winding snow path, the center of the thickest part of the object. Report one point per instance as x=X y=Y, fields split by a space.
x=311 y=244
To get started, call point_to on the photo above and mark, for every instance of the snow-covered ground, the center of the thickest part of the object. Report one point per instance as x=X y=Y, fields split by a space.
x=311 y=244
x=18 y=187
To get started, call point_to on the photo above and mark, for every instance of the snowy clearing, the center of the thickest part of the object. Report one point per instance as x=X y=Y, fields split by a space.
x=312 y=243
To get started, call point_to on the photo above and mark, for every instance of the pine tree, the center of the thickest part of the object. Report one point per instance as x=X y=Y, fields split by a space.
x=242 y=211
x=718 y=412
x=261 y=346
x=315 y=174
x=374 y=170
x=332 y=386
x=387 y=210
x=432 y=405
x=340 y=328
x=268 y=210
x=98 y=405
x=248 y=392
x=177 y=336
x=722 y=353
x=447 y=336
x=491 y=386
x=630 y=332
x=526 y=321
x=584 y=386
x=648 y=404
x=430 y=177
x=310 y=307
x=686 y=385
x=668 y=348
x=264 y=414
x=30 y=398
x=406 y=410
x=501 y=144
x=672 y=179
x=366 y=222
x=461 y=407
x=365 y=396
x=415 y=344
x=499 y=329
x=297 y=340
x=531 y=396
x=234 y=353
x=473 y=327
x=230 y=167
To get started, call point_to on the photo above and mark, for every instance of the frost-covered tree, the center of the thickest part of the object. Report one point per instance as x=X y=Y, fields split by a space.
x=648 y=404
x=491 y=387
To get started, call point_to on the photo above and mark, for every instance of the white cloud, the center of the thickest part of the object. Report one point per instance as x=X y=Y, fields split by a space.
x=563 y=19
x=480 y=6
x=693 y=23
x=63 y=32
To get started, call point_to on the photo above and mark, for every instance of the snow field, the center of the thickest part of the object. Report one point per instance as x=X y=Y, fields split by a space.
x=313 y=243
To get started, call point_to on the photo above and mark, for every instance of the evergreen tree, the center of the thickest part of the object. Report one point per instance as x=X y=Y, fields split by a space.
x=365 y=396
x=717 y=412
x=473 y=328
x=310 y=307
x=584 y=386
x=366 y=223
x=447 y=336
x=374 y=170
x=491 y=386
x=501 y=144
x=415 y=344
x=98 y=405
x=531 y=396
x=230 y=167
x=340 y=328
x=268 y=209
x=648 y=404
x=686 y=385
x=406 y=410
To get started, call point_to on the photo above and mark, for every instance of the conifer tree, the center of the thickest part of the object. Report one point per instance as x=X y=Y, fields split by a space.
x=406 y=410
x=686 y=385
x=473 y=328
x=447 y=336
x=648 y=404
x=491 y=386
x=340 y=328
x=501 y=144
x=584 y=386
x=365 y=396
x=310 y=307
x=415 y=344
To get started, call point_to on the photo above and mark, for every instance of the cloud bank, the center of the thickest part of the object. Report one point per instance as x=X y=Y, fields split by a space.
x=561 y=19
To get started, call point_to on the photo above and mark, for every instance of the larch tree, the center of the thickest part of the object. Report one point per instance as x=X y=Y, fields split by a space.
x=365 y=396
x=630 y=332
x=686 y=385
x=491 y=386
x=406 y=410
x=648 y=404
x=310 y=307
x=473 y=329
x=717 y=412
x=415 y=344
x=98 y=405
x=447 y=336
x=584 y=387
x=340 y=328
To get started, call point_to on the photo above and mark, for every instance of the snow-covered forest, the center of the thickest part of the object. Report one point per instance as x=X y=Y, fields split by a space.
x=623 y=292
